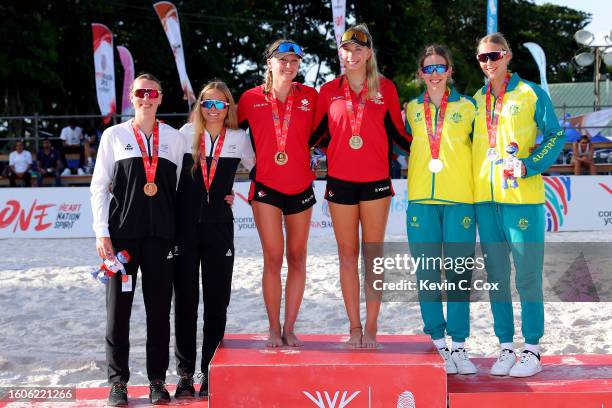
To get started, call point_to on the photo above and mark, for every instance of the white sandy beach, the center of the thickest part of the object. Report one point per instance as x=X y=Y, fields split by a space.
x=52 y=322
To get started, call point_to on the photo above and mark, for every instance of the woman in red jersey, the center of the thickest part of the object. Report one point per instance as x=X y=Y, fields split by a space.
x=358 y=118
x=279 y=114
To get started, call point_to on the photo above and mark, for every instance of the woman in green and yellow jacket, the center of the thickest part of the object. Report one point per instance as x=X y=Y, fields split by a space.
x=509 y=197
x=440 y=215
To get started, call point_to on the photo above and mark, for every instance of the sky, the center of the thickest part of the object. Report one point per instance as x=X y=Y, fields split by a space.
x=601 y=11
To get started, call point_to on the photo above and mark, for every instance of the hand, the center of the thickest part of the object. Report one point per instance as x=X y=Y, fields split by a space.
x=105 y=249
x=229 y=199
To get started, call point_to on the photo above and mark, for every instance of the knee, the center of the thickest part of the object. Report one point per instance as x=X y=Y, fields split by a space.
x=529 y=286
x=348 y=255
x=296 y=257
x=273 y=260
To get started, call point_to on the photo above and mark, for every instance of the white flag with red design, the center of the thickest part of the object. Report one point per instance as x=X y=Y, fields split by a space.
x=338 y=13
x=169 y=18
x=104 y=64
x=128 y=77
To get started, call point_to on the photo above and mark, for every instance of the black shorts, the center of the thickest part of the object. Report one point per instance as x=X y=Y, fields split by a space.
x=288 y=203
x=349 y=192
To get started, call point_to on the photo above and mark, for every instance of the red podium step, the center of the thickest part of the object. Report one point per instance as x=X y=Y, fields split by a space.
x=406 y=371
x=571 y=381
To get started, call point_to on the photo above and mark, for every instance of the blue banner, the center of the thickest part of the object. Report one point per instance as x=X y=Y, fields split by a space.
x=491 y=16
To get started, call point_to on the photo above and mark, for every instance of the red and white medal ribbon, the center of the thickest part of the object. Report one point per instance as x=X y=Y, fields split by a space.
x=150 y=188
x=206 y=175
x=281 y=132
x=492 y=122
x=355 y=119
x=435 y=164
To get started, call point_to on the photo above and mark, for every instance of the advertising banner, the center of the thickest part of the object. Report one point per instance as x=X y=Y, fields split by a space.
x=104 y=63
x=169 y=18
x=573 y=203
x=127 y=110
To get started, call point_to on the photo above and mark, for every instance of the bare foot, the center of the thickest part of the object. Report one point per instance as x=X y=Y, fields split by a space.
x=369 y=341
x=291 y=339
x=274 y=340
x=355 y=338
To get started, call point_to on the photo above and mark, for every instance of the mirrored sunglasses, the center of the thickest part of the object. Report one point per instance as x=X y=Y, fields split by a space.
x=151 y=93
x=430 y=69
x=209 y=103
x=493 y=56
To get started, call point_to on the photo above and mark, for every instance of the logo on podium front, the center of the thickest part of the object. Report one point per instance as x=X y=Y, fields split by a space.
x=328 y=400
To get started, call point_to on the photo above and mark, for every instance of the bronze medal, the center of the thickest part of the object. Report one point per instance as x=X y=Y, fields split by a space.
x=150 y=189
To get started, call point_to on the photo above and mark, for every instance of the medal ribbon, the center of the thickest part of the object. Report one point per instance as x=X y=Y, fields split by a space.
x=281 y=134
x=492 y=122
x=149 y=165
x=434 y=141
x=208 y=177
x=355 y=119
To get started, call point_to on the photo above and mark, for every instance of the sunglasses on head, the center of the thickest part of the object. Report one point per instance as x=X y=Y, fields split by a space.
x=209 y=103
x=492 y=56
x=151 y=93
x=430 y=69
x=356 y=36
x=288 y=47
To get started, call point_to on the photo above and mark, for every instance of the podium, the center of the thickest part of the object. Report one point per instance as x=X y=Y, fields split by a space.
x=405 y=372
x=583 y=381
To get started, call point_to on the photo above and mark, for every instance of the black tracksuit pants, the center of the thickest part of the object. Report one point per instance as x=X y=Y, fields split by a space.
x=214 y=251
x=154 y=257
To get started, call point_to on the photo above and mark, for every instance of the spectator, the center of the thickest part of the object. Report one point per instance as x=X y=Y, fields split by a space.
x=20 y=163
x=91 y=141
x=71 y=136
x=582 y=156
x=49 y=163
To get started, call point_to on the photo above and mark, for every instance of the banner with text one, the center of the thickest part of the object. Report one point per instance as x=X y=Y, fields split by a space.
x=573 y=203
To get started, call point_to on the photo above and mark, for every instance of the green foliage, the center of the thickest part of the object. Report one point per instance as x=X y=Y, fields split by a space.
x=46 y=62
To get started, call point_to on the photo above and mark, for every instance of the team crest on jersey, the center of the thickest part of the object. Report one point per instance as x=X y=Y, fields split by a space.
x=467 y=222
x=414 y=222
x=378 y=99
x=523 y=224
x=418 y=117
x=456 y=117
x=305 y=105
x=514 y=109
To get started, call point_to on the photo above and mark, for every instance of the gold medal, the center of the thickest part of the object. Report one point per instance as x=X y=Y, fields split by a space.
x=150 y=189
x=356 y=142
x=281 y=158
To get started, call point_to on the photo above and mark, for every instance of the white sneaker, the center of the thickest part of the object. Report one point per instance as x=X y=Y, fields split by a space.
x=80 y=172
x=66 y=172
x=462 y=362
x=528 y=365
x=451 y=368
x=504 y=363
